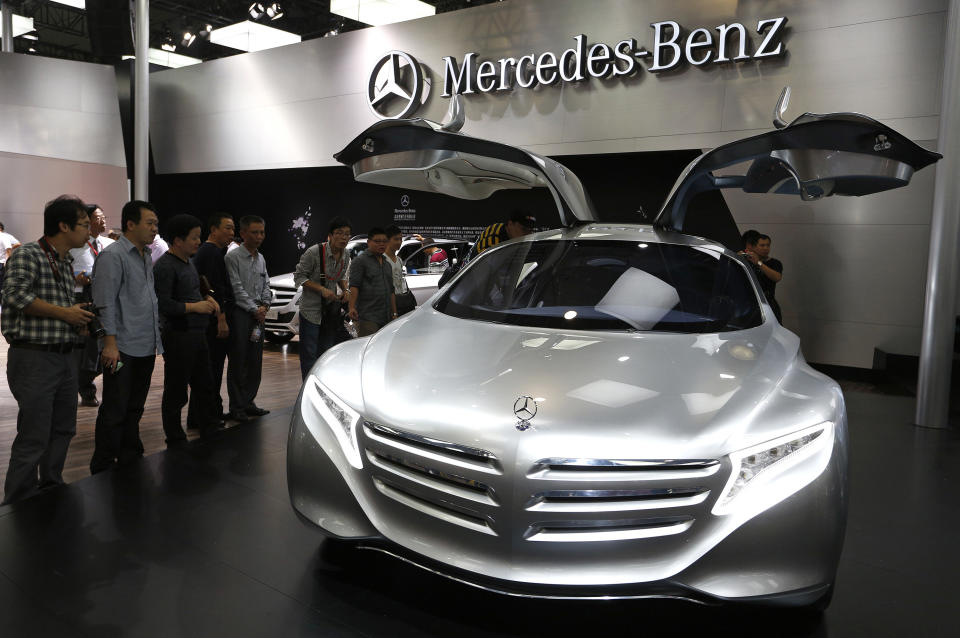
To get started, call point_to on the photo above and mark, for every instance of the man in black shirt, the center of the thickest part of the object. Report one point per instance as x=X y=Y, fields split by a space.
x=769 y=270
x=184 y=317
x=209 y=264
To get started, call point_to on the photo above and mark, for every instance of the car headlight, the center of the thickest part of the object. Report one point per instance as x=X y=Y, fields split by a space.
x=340 y=417
x=765 y=474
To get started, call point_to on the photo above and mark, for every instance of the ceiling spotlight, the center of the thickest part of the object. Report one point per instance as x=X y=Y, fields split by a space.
x=168 y=46
x=188 y=38
x=256 y=10
x=275 y=11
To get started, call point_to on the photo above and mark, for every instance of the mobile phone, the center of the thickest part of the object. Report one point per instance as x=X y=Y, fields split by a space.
x=117 y=366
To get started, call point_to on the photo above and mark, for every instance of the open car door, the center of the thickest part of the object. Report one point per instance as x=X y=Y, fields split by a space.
x=814 y=156
x=421 y=155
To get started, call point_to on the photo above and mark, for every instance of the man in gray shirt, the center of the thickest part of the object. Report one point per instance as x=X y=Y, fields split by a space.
x=123 y=291
x=322 y=272
x=252 y=296
x=372 y=301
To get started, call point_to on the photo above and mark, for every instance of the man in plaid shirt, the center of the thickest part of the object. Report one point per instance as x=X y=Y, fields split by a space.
x=43 y=326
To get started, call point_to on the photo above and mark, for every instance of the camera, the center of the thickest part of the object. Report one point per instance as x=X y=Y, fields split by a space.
x=95 y=327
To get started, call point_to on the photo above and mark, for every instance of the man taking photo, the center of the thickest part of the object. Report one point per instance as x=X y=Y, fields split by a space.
x=322 y=271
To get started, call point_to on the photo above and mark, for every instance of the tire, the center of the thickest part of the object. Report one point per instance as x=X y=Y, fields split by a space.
x=278 y=337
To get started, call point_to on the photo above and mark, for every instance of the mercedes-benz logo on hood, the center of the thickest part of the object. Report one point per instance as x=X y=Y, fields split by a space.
x=396 y=87
x=525 y=408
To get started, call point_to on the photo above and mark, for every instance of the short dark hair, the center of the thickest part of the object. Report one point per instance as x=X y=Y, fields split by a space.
x=392 y=231
x=180 y=226
x=523 y=218
x=246 y=220
x=2 y=227
x=339 y=222
x=376 y=230
x=762 y=236
x=131 y=212
x=751 y=237
x=67 y=209
x=216 y=219
x=92 y=208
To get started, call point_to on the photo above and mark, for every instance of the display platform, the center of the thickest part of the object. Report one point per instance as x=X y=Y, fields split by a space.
x=203 y=542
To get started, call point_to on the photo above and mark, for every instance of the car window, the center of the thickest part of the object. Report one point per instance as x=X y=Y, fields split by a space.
x=427 y=260
x=606 y=285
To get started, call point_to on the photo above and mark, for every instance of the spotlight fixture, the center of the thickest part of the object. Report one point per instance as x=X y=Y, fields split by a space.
x=275 y=11
x=256 y=10
x=188 y=38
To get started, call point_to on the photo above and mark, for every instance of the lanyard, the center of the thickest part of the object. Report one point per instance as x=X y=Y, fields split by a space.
x=49 y=252
x=323 y=249
x=96 y=253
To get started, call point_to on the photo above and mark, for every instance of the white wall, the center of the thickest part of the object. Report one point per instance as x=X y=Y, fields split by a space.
x=59 y=133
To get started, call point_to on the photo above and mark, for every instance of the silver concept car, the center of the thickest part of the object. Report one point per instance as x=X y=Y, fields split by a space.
x=626 y=417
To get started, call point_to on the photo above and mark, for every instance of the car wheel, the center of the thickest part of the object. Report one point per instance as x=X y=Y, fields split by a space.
x=278 y=337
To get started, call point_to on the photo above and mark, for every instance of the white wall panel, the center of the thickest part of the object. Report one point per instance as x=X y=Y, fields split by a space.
x=59 y=109
x=28 y=182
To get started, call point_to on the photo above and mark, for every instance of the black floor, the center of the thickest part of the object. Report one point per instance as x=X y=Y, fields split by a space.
x=202 y=542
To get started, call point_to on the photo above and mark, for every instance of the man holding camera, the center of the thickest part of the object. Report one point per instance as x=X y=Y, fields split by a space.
x=83 y=260
x=124 y=293
x=43 y=326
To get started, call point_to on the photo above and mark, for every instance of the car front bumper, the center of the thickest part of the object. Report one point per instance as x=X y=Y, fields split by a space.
x=785 y=555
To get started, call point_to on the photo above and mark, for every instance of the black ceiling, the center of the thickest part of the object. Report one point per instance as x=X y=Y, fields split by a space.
x=102 y=32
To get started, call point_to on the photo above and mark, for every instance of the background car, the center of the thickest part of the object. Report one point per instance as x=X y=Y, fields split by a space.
x=283 y=317
x=626 y=418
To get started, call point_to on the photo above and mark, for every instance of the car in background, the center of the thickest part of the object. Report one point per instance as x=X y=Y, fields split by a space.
x=422 y=277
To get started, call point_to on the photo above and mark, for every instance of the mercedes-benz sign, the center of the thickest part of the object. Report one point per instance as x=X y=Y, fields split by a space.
x=396 y=86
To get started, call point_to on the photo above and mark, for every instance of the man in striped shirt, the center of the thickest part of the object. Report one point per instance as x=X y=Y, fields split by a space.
x=520 y=223
x=43 y=326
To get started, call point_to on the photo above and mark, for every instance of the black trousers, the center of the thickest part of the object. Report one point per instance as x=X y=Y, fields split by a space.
x=90 y=367
x=186 y=361
x=45 y=387
x=117 y=434
x=246 y=359
x=217 y=350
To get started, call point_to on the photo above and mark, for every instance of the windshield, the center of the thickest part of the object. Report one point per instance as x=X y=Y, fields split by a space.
x=606 y=285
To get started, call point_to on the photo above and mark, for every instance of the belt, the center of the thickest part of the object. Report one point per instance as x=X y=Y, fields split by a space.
x=61 y=348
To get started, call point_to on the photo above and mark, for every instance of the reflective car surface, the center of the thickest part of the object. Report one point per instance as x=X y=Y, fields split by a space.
x=626 y=417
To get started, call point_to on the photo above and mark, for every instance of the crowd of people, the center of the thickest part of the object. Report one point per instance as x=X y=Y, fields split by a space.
x=78 y=303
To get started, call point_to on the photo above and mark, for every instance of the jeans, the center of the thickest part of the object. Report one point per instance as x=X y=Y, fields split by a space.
x=186 y=361
x=246 y=361
x=117 y=434
x=45 y=387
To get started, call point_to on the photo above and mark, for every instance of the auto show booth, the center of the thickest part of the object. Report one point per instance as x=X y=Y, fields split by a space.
x=623 y=93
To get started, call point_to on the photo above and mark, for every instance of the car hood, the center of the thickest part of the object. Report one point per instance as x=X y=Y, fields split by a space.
x=283 y=281
x=647 y=395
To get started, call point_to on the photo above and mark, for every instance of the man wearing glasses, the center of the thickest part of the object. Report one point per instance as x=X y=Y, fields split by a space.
x=42 y=324
x=322 y=272
x=372 y=301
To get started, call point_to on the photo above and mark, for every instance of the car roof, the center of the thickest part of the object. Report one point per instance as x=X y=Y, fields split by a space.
x=626 y=232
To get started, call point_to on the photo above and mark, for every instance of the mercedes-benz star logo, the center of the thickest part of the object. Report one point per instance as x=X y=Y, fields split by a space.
x=396 y=86
x=404 y=200
x=525 y=408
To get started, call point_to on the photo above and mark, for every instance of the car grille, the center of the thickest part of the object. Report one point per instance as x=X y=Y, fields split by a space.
x=569 y=500
x=609 y=500
x=282 y=295
x=447 y=481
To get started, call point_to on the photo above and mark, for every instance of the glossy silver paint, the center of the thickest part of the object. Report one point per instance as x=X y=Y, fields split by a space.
x=614 y=484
